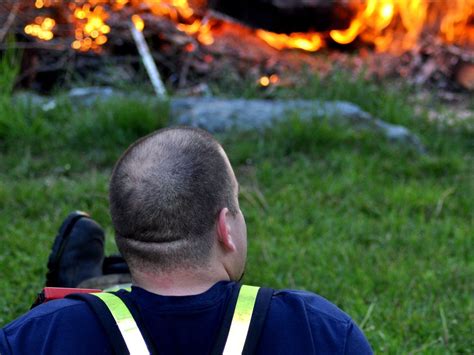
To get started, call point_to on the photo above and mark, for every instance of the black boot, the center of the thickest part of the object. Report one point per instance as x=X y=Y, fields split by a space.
x=77 y=253
x=115 y=264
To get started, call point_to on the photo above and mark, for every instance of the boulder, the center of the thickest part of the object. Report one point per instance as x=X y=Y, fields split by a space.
x=219 y=115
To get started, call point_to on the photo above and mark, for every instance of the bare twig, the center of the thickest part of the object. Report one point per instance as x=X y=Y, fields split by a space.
x=216 y=15
x=51 y=46
x=148 y=62
x=9 y=22
x=183 y=76
x=424 y=347
x=442 y=199
x=444 y=324
x=44 y=69
x=367 y=315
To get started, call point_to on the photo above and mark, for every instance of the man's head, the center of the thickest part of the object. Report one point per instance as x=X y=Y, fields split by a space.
x=173 y=197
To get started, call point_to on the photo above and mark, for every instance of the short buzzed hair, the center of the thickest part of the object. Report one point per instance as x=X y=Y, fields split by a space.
x=166 y=192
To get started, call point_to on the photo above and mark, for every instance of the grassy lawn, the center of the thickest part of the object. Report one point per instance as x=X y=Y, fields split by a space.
x=381 y=231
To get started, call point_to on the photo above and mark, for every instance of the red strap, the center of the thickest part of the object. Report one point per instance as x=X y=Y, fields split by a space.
x=53 y=293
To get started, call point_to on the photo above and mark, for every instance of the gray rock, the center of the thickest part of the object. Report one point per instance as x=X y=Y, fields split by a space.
x=85 y=96
x=29 y=98
x=91 y=94
x=219 y=115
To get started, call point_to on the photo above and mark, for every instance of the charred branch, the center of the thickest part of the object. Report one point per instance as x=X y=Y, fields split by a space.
x=288 y=16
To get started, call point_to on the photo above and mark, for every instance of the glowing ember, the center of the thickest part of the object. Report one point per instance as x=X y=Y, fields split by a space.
x=274 y=79
x=138 y=22
x=170 y=8
x=42 y=28
x=90 y=28
x=39 y=4
x=264 y=81
x=89 y=19
x=267 y=80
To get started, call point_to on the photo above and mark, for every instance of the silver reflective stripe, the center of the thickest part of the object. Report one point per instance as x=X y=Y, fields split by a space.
x=241 y=320
x=128 y=327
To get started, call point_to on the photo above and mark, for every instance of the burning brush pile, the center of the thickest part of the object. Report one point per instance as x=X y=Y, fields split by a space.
x=269 y=40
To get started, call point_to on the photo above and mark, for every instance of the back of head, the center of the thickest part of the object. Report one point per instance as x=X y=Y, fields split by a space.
x=166 y=192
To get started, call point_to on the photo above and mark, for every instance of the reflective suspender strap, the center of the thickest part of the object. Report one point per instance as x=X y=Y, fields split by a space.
x=126 y=323
x=105 y=318
x=239 y=332
x=224 y=327
x=126 y=287
x=241 y=320
x=262 y=305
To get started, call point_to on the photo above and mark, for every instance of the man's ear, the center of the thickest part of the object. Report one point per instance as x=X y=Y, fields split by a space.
x=224 y=230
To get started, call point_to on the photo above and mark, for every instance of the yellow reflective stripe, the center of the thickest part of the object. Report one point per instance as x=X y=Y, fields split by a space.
x=128 y=327
x=126 y=287
x=241 y=320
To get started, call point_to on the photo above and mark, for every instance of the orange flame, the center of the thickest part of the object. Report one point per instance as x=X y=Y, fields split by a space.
x=307 y=41
x=454 y=24
x=201 y=31
x=178 y=10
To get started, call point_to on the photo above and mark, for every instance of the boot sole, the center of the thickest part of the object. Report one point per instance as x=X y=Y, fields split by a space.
x=59 y=245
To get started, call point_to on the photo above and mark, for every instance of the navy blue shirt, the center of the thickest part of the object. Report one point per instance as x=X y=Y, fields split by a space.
x=297 y=323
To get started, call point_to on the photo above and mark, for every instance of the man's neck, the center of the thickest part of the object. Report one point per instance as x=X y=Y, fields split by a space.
x=182 y=282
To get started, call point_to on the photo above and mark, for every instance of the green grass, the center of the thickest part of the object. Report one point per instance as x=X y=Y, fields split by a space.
x=370 y=228
x=381 y=231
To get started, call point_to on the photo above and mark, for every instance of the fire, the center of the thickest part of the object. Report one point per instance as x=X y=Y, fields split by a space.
x=388 y=25
x=394 y=25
